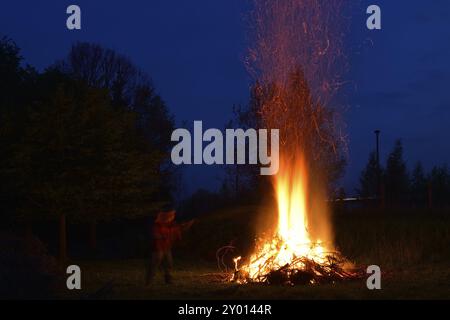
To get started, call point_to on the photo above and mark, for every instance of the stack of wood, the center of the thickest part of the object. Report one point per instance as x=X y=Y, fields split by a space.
x=304 y=271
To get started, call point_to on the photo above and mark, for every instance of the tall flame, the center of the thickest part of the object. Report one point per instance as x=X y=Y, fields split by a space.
x=292 y=239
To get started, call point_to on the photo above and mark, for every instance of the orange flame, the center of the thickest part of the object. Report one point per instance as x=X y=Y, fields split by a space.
x=292 y=239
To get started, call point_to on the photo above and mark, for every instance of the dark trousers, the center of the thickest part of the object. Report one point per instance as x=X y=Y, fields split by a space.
x=160 y=259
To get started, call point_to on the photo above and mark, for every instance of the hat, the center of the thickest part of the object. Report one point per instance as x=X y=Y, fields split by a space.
x=165 y=216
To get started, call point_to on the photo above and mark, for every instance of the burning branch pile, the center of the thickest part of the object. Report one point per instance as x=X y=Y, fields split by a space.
x=315 y=267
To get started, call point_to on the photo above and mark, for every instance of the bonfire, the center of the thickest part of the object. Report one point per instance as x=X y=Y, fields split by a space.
x=291 y=256
x=297 y=61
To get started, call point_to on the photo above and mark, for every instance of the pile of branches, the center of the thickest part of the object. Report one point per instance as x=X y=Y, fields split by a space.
x=301 y=271
x=304 y=271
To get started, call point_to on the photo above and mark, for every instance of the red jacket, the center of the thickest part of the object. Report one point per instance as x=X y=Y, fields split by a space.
x=164 y=234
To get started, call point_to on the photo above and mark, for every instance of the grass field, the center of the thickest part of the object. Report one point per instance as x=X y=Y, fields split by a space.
x=412 y=249
x=193 y=282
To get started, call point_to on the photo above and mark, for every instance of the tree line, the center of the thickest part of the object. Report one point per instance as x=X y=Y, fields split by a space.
x=399 y=186
x=86 y=140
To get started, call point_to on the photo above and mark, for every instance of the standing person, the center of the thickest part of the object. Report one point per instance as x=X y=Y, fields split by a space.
x=164 y=233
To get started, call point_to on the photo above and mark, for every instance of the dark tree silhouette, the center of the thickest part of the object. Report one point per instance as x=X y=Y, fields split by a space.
x=79 y=147
x=368 y=181
x=396 y=177
x=244 y=181
x=81 y=159
x=16 y=87
x=129 y=87
x=440 y=185
x=132 y=90
x=419 y=185
x=303 y=122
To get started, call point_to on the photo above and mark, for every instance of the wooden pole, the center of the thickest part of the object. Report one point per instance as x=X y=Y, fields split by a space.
x=62 y=239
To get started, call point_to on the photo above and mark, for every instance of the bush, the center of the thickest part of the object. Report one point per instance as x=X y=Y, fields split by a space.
x=395 y=238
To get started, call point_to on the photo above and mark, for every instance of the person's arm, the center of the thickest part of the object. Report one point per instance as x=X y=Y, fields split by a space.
x=187 y=225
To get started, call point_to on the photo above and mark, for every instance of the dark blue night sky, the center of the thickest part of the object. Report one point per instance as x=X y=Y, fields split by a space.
x=194 y=52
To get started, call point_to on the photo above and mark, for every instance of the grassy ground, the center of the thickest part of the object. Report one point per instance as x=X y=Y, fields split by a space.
x=193 y=282
x=412 y=249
